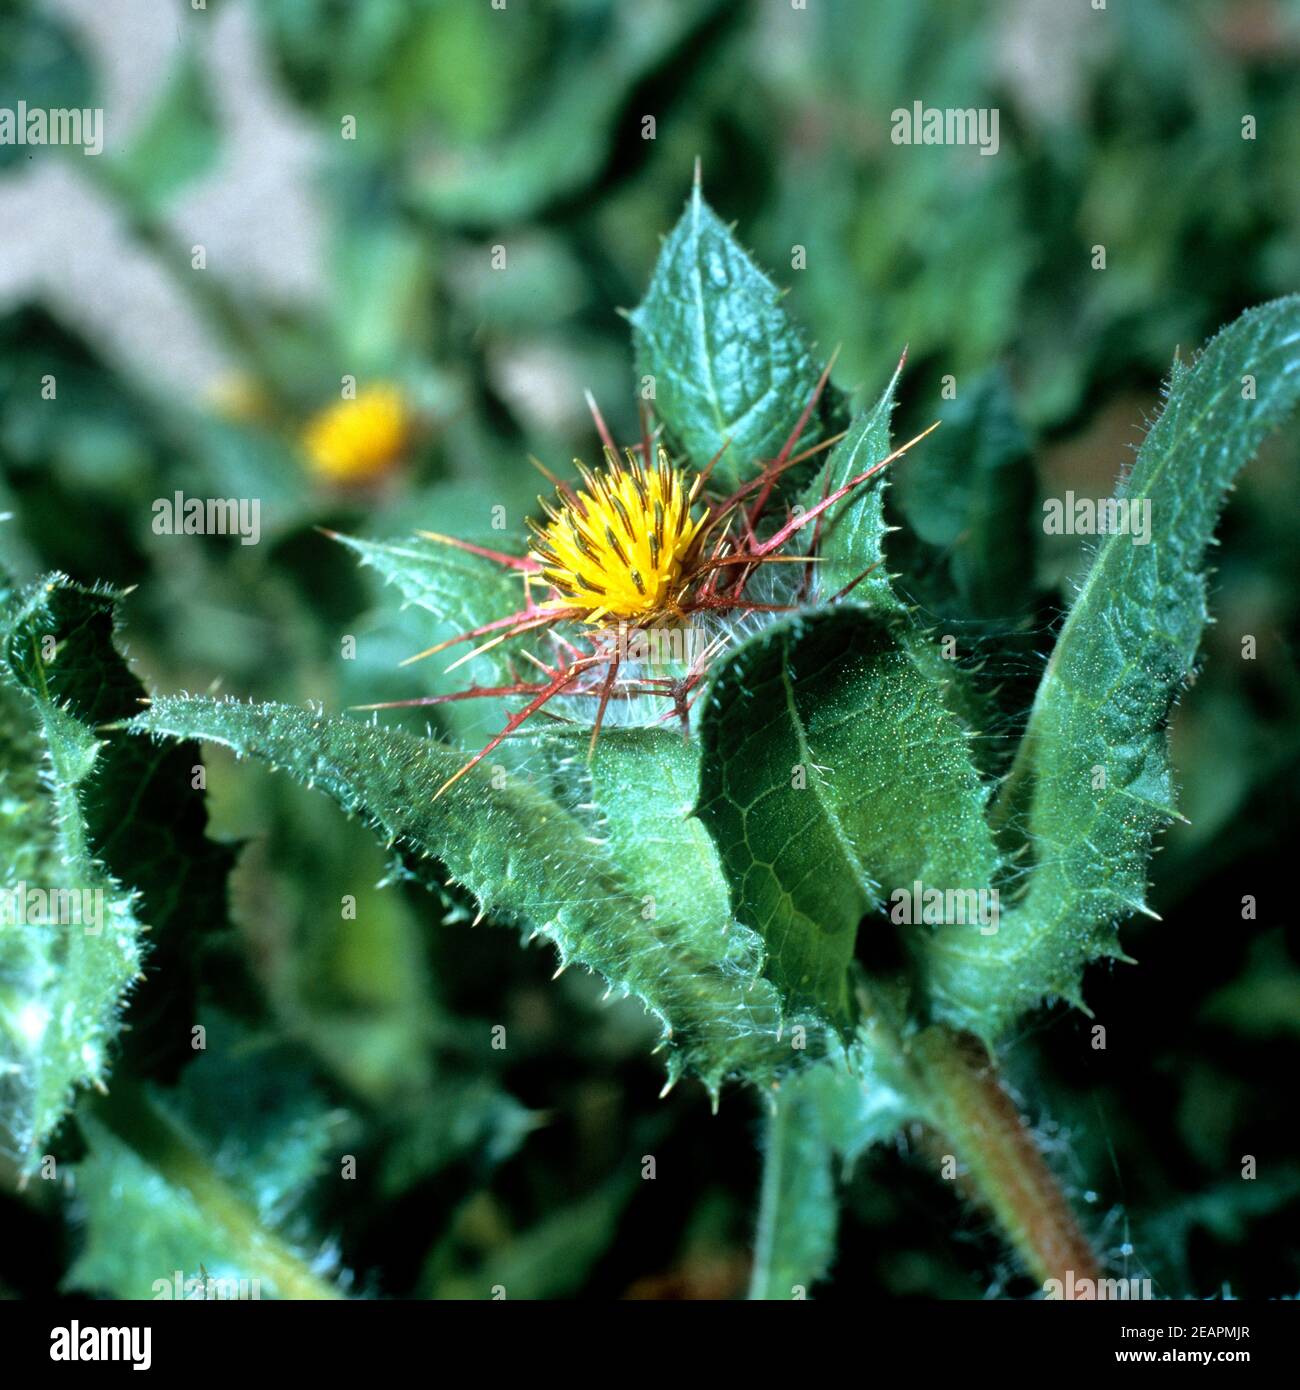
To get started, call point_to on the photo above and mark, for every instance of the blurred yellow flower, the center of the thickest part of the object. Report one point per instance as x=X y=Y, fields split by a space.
x=356 y=440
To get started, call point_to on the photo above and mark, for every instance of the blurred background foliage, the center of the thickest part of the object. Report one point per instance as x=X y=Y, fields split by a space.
x=518 y=133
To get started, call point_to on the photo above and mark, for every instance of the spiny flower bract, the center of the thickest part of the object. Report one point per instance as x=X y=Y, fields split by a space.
x=625 y=551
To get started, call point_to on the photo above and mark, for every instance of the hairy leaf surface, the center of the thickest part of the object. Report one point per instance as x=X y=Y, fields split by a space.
x=851 y=550
x=851 y=534
x=1092 y=781
x=640 y=790
x=461 y=592
x=729 y=365
x=113 y=837
x=832 y=775
x=524 y=857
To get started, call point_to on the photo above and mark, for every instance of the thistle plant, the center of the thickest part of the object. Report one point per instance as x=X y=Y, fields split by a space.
x=718 y=831
x=625 y=557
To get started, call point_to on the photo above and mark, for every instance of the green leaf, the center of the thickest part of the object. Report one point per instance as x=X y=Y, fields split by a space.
x=851 y=538
x=126 y=822
x=641 y=785
x=798 y=1213
x=834 y=1109
x=566 y=136
x=549 y=1260
x=42 y=63
x=61 y=985
x=1092 y=781
x=207 y=1178
x=1226 y=1211
x=851 y=545
x=462 y=592
x=969 y=492
x=729 y=366
x=831 y=771
x=109 y=838
x=178 y=143
x=525 y=858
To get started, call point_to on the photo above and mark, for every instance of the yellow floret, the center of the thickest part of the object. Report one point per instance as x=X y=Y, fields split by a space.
x=620 y=547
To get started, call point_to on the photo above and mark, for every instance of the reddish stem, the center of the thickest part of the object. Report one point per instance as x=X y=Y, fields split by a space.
x=977 y=1116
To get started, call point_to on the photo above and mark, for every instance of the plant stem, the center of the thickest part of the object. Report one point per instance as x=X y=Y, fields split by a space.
x=797 y=1208
x=972 y=1109
x=164 y=1146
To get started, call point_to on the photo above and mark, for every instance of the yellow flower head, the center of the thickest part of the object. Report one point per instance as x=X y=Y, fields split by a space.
x=357 y=440
x=622 y=546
